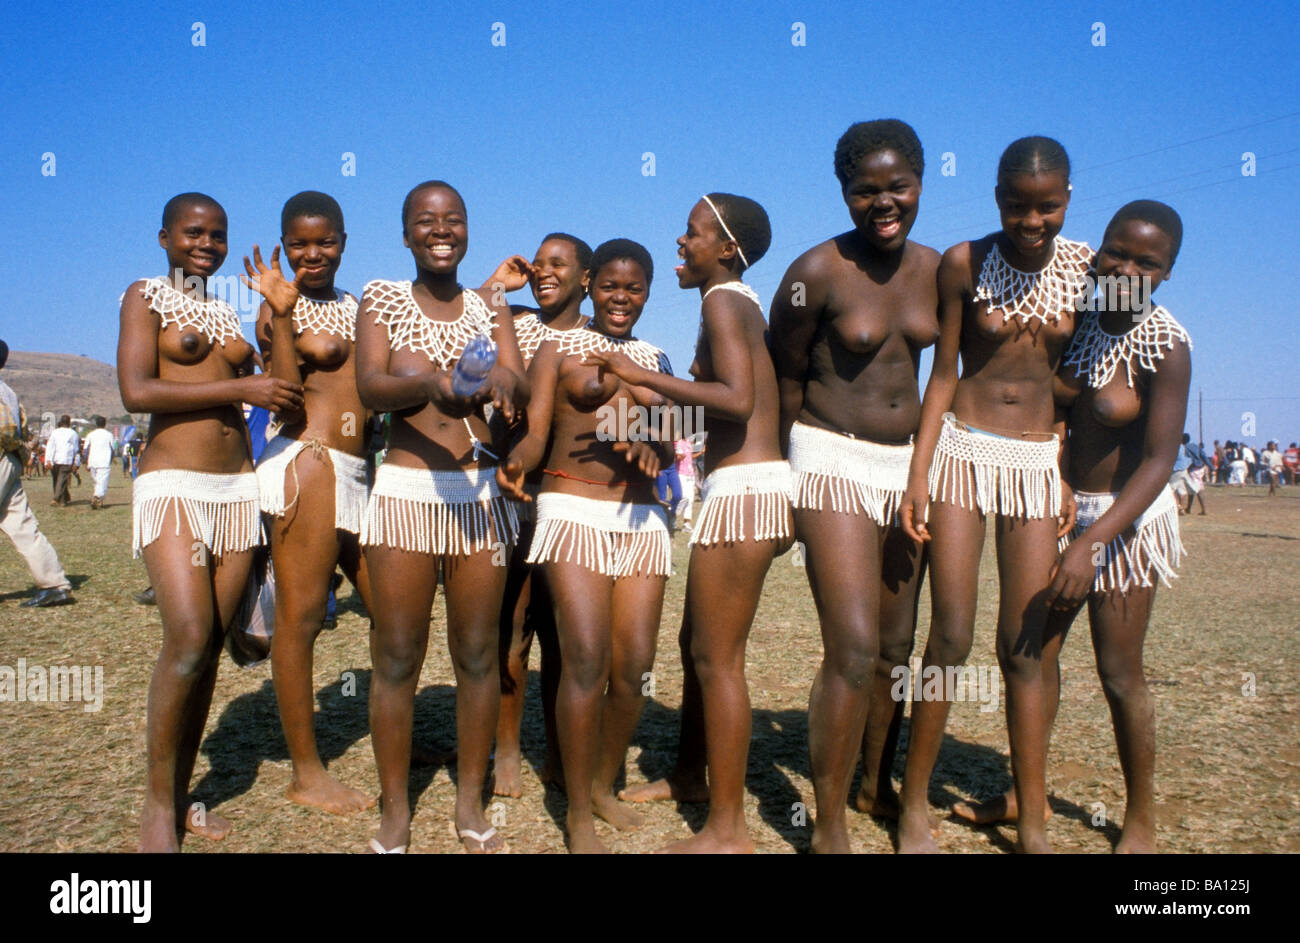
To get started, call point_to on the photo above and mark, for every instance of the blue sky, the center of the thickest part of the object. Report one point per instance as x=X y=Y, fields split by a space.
x=548 y=131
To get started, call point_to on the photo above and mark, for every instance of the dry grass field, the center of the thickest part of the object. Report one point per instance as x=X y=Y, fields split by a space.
x=1227 y=764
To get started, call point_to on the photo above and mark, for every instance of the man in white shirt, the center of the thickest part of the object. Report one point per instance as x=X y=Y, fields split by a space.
x=62 y=454
x=16 y=517
x=99 y=460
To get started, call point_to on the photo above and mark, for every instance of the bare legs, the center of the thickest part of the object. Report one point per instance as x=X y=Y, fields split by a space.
x=722 y=593
x=903 y=569
x=525 y=613
x=957 y=539
x=197 y=597
x=1026 y=551
x=305 y=548
x=404 y=584
x=840 y=549
x=607 y=633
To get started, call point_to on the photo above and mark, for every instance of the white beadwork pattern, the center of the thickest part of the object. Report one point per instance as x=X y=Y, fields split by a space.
x=722 y=517
x=326 y=317
x=212 y=316
x=995 y=474
x=1151 y=548
x=393 y=306
x=583 y=341
x=530 y=333
x=1098 y=353
x=221 y=511
x=739 y=288
x=1040 y=295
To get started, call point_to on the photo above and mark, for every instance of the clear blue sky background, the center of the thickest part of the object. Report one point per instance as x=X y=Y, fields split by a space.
x=548 y=133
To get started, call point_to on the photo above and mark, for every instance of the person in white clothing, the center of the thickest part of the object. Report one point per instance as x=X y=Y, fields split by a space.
x=98 y=459
x=16 y=517
x=61 y=454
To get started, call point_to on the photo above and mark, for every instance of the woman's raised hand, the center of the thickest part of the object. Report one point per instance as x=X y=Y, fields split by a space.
x=268 y=281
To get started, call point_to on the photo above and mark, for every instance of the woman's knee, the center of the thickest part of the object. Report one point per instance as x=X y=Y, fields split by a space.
x=398 y=656
x=851 y=652
x=1122 y=682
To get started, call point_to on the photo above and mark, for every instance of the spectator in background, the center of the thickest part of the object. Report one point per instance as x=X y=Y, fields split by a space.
x=686 y=477
x=35 y=454
x=1237 y=467
x=1291 y=463
x=61 y=455
x=1248 y=455
x=1181 y=480
x=1220 y=469
x=99 y=461
x=16 y=517
x=1196 y=472
x=1271 y=463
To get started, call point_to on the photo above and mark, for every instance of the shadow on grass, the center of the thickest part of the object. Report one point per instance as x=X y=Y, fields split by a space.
x=77 y=582
x=248 y=732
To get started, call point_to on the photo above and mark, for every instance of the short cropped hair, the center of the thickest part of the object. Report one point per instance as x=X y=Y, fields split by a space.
x=580 y=248
x=865 y=137
x=183 y=201
x=428 y=185
x=311 y=203
x=1158 y=214
x=615 y=249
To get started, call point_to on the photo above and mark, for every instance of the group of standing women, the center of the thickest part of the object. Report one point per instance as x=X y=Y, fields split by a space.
x=538 y=521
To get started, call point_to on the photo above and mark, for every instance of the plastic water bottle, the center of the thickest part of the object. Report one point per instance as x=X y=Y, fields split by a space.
x=471 y=370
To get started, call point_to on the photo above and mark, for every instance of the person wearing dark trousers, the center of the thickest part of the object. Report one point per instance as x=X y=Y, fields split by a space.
x=61 y=453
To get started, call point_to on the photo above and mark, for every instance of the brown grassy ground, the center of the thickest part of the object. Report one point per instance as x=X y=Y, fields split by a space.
x=1226 y=769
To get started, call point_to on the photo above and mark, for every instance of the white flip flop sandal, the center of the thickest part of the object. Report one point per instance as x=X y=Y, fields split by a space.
x=381 y=850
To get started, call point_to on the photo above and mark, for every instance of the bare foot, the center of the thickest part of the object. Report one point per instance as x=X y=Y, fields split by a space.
x=706 y=842
x=830 y=839
x=158 y=828
x=994 y=811
x=917 y=832
x=584 y=841
x=1036 y=844
x=328 y=794
x=506 y=777
x=882 y=806
x=1136 y=840
x=200 y=821
x=677 y=788
x=617 y=815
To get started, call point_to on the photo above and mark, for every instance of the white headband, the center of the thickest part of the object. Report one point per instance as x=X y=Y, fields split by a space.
x=723 y=224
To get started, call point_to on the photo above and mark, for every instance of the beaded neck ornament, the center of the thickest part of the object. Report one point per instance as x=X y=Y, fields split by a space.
x=530 y=332
x=739 y=288
x=1098 y=353
x=1040 y=295
x=212 y=316
x=442 y=342
x=327 y=317
x=584 y=340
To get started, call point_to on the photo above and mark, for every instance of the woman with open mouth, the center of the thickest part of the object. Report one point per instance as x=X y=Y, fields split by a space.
x=196 y=517
x=849 y=322
x=435 y=509
x=601 y=539
x=313 y=473
x=558 y=275
x=988 y=446
x=743 y=522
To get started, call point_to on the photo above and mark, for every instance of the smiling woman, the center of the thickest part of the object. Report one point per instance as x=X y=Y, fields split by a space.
x=847 y=355
x=435 y=508
x=182 y=357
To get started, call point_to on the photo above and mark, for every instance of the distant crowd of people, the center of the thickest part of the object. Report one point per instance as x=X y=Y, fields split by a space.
x=1231 y=463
